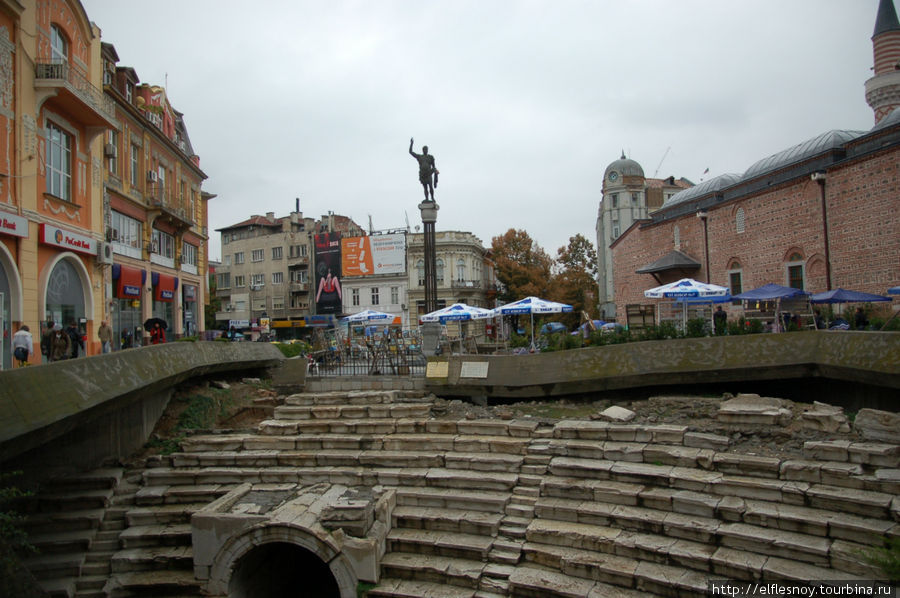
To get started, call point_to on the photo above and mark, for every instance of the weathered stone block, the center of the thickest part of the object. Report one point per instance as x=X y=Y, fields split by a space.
x=875 y=454
x=876 y=425
x=614 y=413
x=708 y=441
x=825 y=418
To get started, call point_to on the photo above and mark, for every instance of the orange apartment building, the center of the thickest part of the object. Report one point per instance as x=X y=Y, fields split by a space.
x=154 y=212
x=61 y=183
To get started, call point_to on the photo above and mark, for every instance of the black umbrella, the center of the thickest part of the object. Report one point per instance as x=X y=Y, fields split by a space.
x=148 y=325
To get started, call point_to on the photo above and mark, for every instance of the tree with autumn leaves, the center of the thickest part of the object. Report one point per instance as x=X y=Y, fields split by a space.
x=524 y=269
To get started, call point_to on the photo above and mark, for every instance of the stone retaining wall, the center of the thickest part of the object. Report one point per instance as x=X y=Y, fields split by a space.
x=84 y=410
x=871 y=358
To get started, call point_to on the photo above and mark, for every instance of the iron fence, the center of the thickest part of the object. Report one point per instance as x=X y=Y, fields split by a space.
x=388 y=358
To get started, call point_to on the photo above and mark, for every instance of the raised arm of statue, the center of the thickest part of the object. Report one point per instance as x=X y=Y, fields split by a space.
x=412 y=153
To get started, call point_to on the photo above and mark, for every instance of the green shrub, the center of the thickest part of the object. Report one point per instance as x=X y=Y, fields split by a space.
x=561 y=342
x=755 y=326
x=696 y=328
x=744 y=326
x=15 y=580
x=878 y=324
x=659 y=332
x=293 y=349
x=604 y=337
x=187 y=339
x=519 y=340
x=11 y=532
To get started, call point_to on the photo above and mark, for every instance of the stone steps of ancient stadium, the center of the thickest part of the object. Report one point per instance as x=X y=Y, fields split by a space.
x=66 y=521
x=489 y=508
x=678 y=490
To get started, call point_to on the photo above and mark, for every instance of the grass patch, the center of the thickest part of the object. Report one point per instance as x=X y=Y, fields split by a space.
x=197 y=408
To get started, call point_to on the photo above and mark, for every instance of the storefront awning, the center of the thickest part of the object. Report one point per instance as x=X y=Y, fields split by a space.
x=164 y=287
x=129 y=281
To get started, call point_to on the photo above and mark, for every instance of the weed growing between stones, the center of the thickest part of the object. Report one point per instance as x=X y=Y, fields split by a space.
x=887 y=558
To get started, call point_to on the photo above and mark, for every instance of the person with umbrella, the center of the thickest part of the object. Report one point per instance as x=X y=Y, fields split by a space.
x=157 y=334
x=157 y=329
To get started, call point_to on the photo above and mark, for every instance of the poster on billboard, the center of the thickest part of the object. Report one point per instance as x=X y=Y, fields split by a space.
x=328 y=267
x=376 y=254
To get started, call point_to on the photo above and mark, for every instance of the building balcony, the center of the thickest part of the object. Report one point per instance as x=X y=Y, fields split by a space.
x=176 y=216
x=466 y=284
x=302 y=309
x=59 y=83
x=299 y=287
x=297 y=260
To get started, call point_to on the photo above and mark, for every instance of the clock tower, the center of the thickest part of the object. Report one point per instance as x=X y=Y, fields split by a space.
x=624 y=201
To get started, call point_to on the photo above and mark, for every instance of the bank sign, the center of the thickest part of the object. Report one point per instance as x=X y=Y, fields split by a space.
x=60 y=237
x=10 y=224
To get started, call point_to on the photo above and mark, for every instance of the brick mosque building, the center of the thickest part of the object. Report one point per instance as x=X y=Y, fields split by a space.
x=822 y=214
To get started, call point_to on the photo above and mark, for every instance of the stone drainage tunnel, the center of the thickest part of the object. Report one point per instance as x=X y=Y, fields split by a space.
x=282 y=540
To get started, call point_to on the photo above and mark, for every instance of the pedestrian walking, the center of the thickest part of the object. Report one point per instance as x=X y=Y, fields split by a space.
x=104 y=333
x=60 y=344
x=22 y=345
x=76 y=340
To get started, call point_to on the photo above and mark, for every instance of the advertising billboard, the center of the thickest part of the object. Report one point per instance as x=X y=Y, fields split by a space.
x=375 y=254
x=328 y=270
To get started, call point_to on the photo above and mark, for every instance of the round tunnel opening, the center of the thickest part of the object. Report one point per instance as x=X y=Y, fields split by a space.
x=282 y=570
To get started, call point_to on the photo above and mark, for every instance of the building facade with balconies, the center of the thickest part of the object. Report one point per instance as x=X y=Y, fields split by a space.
x=268 y=272
x=265 y=270
x=54 y=116
x=154 y=212
x=464 y=271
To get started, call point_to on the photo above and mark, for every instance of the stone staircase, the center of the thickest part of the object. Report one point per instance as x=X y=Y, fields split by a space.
x=72 y=523
x=491 y=508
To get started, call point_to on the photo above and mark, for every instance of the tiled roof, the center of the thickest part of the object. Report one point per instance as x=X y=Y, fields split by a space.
x=254 y=221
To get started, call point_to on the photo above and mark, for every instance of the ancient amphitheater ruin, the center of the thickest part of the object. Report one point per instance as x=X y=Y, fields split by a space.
x=343 y=492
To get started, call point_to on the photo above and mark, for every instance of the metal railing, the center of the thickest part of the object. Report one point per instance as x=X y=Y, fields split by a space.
x=78 y=84
x=389 y=357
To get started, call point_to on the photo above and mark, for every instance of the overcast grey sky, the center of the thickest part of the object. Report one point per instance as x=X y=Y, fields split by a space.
x=522 y=103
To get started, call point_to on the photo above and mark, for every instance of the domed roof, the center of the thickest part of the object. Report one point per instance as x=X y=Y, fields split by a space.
x=802 y=151
x=714 y=184
x=625 y=167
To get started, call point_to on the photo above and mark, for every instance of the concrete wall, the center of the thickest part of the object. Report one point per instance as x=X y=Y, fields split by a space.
x=106 y=406
x=871 y=358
